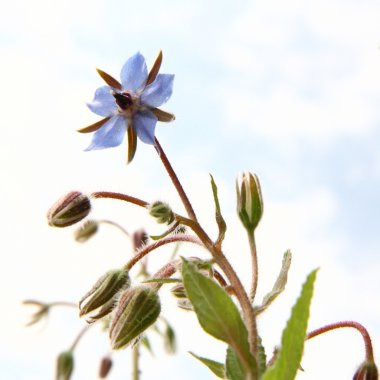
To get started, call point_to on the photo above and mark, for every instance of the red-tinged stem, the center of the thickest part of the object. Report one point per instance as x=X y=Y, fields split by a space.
x=170 y=239
x=120 y=196
x=175 y=180
x=165 y=272
x=363 y=331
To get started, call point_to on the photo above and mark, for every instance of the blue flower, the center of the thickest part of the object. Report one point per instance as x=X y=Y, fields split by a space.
x=130 y=105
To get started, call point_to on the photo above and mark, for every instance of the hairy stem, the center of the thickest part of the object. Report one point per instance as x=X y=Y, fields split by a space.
x=118 y=226
x=363 y=331
x=79 y=336
x=170 y=239
x=255 y=272
x=135 y=362
x=119 y=196
x=175 y=180
x=224 y=264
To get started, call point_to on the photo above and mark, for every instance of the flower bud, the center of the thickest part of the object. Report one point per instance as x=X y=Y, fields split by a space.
x=68 y=210
x=104 y=293
x=367 y=371
x=105 y=367
x=179 y=291
x=137 y=309
x=249 y=200
x=139 y=238
x=185 y=304
x=65 y=365
x=85 y=232
x=41 y=312
x=162 y=212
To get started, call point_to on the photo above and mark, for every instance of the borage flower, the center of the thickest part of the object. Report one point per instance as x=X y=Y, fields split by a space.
x=130 y=106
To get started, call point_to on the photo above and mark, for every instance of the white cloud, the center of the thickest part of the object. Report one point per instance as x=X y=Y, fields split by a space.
x=303 y=72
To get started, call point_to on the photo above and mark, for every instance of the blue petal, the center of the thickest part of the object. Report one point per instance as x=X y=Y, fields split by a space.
x=158 y=92
x=110 y=134
x=104 y=103
x=134 y=73
x=145 y=124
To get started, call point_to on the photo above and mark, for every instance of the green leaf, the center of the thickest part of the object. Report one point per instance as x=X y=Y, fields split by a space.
x=293 y=337
x=215 y=367
x=218 y=214
x=234 y=369
x=217 y=313
x=279 y=285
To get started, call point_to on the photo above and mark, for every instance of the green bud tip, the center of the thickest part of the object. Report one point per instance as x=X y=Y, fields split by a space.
x=137 y=309
x=162 y=212
x=68 y=210
x=86 y=231
x=249 y=200
x=65 y=365
x=101 y=299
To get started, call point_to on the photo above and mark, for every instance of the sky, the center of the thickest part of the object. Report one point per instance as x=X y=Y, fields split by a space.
x=289 y=90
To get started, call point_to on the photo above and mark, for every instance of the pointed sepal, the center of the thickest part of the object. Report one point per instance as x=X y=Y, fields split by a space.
x=110 y=80
x=155 y=69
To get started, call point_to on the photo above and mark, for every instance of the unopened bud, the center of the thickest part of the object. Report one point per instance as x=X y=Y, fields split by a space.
x=85 y=232
x=140 y=238
x=105 y=367
x=68 y=210
x=137 y=309
x=185 y=304
x=41 y=312
x=179 y=291
x=249 y=200
x=65 y=365
x=162 y=212
x=104 y=294
x=367 y=371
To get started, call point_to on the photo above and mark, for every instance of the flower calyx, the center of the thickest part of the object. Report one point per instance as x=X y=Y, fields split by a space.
x=101 y=299
x=137 y=309
x=68 y=210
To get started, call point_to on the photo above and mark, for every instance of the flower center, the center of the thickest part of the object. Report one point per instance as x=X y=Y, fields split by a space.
x=123 y=100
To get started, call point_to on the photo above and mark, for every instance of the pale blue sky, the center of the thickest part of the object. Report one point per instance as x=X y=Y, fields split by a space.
x=287 y=89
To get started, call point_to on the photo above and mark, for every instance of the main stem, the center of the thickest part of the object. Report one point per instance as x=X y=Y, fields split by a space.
x=216 y=252
x=224 y=264
x=175 y=180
